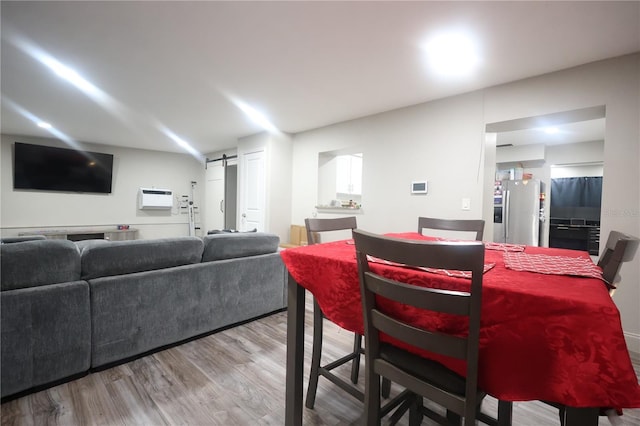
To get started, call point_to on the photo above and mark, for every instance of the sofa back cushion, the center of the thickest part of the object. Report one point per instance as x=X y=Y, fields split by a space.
x=126 y=257
x=238 y=244
x=38 y=262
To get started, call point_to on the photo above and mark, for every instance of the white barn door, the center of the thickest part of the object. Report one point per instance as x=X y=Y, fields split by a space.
x=214 y=200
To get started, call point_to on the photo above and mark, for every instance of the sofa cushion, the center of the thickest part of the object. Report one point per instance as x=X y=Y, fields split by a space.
x=38 y=262
x=240 y=244
x=126 y=257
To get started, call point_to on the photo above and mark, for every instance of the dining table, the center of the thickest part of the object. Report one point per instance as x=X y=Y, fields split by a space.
x=549 y=329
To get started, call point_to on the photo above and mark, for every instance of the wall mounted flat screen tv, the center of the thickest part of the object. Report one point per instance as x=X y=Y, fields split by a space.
x=59 y=169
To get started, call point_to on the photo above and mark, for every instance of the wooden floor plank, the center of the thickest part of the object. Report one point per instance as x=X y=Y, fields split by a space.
x=234 y=377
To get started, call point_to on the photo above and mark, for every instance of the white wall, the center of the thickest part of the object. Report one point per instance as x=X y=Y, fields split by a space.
x=443 y=141
x=26 y=211
x=279 y=158
x=576 y=171
x=576 y=153
x=398 y=147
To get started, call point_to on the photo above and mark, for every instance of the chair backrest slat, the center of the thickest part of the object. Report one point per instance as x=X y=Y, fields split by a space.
x=444 y=344
x=445 y=301
x=462 y=225
x=317 y=225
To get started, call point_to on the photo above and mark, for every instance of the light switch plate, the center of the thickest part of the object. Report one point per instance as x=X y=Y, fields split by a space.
x=466 y=204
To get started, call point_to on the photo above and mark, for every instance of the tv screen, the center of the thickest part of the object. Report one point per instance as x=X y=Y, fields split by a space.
x=60 y=169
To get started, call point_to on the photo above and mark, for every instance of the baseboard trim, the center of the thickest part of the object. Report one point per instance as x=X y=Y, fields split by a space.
x=633 y=344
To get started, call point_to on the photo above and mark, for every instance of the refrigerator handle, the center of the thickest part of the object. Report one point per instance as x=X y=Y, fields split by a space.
x=505 y=214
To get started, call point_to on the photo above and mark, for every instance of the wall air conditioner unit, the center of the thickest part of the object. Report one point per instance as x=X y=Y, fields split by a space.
x=151 y=198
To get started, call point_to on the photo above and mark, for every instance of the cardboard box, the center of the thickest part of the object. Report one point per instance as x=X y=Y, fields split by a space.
x=297 y=237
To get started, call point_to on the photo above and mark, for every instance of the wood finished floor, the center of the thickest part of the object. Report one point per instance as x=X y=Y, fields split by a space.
x=234 y=377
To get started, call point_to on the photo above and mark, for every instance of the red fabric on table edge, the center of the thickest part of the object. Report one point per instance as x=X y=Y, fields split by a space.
x=503 y=374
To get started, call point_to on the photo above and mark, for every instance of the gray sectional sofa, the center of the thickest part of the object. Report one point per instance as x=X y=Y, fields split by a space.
x=67 y=308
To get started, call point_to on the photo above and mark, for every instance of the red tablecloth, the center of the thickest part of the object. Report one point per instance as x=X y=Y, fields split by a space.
x=543 y=337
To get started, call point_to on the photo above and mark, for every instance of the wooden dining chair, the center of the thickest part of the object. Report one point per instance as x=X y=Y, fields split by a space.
x=421 y=376
x=315 y=227
x=620 y=248
x=466 y=225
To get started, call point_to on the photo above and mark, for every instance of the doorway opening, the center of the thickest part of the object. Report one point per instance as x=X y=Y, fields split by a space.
x=538 y=149
x=221 y=194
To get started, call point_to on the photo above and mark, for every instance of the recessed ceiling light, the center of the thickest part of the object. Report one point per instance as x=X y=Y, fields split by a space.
x=453 y=53
x=44 y=125
x=551 y=130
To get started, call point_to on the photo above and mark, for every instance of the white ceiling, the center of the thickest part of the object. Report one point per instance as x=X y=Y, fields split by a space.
x=178 y=65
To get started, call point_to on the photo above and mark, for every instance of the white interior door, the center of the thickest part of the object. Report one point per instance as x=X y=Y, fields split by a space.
x=214 y=200
x=252 y=192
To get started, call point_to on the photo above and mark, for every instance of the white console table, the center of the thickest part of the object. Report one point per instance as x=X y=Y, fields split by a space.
x=87 y=233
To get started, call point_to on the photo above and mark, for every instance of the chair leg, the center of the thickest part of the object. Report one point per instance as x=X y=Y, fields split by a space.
x=316 y=354
x=580 y=416
x=386 y=383
x=561 y=414
x=415 y=411
x=505 y=413
x=357 y=349
x=406 y=405
x=371 y=399
x=453 y=418
x=386 y=387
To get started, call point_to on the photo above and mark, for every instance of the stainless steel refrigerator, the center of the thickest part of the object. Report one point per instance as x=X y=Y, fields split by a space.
x=517 y=212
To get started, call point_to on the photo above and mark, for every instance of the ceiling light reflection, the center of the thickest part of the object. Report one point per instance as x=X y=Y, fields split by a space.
x=257 y=117
x=69 y=75
x=182 y=143
x=40 y=123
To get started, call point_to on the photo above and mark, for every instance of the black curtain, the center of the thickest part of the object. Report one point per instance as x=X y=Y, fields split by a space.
x=576 y=197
